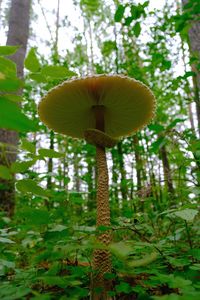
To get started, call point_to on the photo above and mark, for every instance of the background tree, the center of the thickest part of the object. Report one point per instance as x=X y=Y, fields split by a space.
x=18 y=33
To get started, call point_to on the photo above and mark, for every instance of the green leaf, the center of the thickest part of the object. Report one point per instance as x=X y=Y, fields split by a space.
x=174 y=122
x=8 y=67
x=33 y=216
x=8 y=264
x=6 y=241
x=137 y=29
x=158 y=144
x=28 y=146
x=10 y=84
x=13 y=292
x=121 y=249
x=136 y=11
x=50 y=153
x=5 y=173
x=187 y=214
x=38 y=77
x=8 y=50
x=12 y=118
x=143 y=261
x=20 y=167
x=31 y=62
x=123 y=287
x=157 y=128
x=14 y=98
x=58 y=227
x=119 y=13
x=27 y=186
x=56 y=72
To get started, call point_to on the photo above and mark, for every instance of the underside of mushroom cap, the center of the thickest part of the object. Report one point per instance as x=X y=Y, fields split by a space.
x=68 y=108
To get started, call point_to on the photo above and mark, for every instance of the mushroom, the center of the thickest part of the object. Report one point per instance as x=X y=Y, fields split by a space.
x=102 y=109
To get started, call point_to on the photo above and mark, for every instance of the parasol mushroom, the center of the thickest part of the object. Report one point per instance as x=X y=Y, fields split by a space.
x=102 y=109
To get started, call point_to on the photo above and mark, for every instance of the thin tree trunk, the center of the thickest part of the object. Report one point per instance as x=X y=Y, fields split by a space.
x=76 y=169
x=50 y=161
x=90 y=183
x=114 y=176
x=17 y=35
x=194 y=46
x=167 y=170
x=123 y=184
x=138 y=162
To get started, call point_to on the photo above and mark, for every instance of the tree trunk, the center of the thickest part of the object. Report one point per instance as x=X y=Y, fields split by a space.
x=138 y=162
x=50 y=161
x=167 y=170
x=123 y=184
x=17 y=35
x=194 y=45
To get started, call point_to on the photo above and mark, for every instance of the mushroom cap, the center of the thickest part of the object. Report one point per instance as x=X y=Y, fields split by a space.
x=68 y=108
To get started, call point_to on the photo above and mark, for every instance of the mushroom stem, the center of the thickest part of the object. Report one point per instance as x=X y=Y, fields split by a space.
x=101 y=259
x=99 y=116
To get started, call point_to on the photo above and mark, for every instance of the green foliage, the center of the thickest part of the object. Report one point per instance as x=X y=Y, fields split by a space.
x=30 y=186
x=31 y=62
x=8 y=50
x=47 y=245
x=11 y=117
x=119 y=13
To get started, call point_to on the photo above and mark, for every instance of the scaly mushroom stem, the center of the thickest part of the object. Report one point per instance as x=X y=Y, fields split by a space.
x=101 y=259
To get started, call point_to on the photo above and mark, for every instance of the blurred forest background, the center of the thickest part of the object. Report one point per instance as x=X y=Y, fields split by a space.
x=48 y=181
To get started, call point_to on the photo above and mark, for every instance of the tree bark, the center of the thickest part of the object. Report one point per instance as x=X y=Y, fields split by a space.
x=123 y=184
x=167 y=170
x=50 y=161
x=18 y=33
x=194 y=45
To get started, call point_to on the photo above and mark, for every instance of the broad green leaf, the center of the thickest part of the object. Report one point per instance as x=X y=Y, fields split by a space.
x=121 y=249
x=8 y=264
x=8 y=50
x=28 y=146
x=108 y=47
x=10 y=84
x=174 y=122
x=42 y=297
x=14 y=98
x=38 y=77
x=22 y=166
x=12 y=118
x=123 y=287
x=31 y=62
x=58 y=227
x=8 y=67
x=56 y=72
x=6 y=241
x=50 y=153
x=12 y=292
x=157 y=128
x=155 y=146
x=119 y=13
x=136 y=11
x=30 y=186
x=35 y=216
x=137 y=29
x=55 y=281
x=5 y=173
x=143 y=261
x=195 y=267
x=187 y=214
